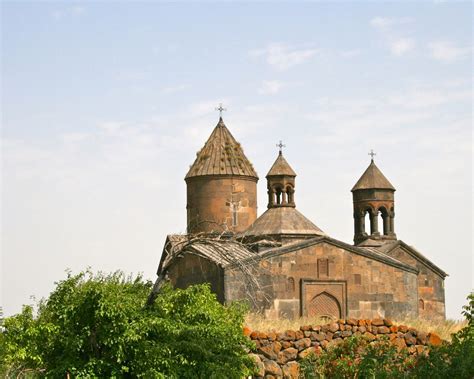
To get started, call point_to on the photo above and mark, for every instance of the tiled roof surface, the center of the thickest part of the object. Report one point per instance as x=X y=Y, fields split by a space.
x=282 y=220
x=221 y=155
x=373 y=178
x=281 y=167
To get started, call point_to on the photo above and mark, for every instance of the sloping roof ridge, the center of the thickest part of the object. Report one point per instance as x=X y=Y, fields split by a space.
x=373 y=178
x=281 y=167
x=263 y=225
x=221 y=252
x=168 y=249
x=418 y=256
x=221 y=155
x=381 y=257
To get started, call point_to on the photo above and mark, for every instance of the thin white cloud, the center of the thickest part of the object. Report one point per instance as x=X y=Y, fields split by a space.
x=282 y=57
x=387 y=22
x=174 y=89
x=401 y=46
x=77 y=10
x=350 y=53
x=110 y=127
x=395 y=40
x=447 y=52
x=57 y=15
x=270 y=87
x=429 y=97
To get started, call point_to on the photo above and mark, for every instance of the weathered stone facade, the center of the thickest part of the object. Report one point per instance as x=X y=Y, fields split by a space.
x=283 y=263
x=295 y=278
x=221 y=203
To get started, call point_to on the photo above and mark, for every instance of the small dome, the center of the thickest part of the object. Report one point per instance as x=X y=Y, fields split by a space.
x=283 y=221
x=373 y=178
x=281 y=167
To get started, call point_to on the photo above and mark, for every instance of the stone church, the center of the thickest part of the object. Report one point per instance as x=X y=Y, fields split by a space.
x=280 y=261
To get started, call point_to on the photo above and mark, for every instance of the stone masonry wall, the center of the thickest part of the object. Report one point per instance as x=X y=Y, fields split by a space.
x=431 y=298
x=278 y=354
x=362 y=287
x=211 y=202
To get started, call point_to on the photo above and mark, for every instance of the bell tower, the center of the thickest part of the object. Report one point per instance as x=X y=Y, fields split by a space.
x=373 y=195
x=221 y=186
x=281 y=183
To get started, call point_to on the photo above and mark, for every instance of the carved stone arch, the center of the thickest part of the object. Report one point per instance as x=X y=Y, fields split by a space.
x=324 y=304
x=290 y=285
x=372 y=210
x=278 y=190
x=383 y=210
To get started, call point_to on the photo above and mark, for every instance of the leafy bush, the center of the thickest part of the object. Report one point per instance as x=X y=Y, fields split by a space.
x=455 y=359
x=355 y=357
x=97 y=326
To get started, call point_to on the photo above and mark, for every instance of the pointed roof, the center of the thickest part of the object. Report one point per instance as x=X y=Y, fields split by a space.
x=373 y=178
x=281 y=167
x=281 y=221
x=221 y=155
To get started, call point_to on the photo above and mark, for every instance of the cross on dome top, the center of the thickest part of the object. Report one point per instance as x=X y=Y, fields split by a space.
x=280 y=146
x=220 y=108
x=372 y=154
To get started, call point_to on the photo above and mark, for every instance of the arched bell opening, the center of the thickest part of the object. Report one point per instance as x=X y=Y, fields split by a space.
x=366 y=223
x=279 y=195
x=385 y=217
x=290 y=195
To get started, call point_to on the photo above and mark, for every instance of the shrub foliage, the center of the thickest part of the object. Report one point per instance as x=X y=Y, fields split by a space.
x=357 y=358
x=98 y=326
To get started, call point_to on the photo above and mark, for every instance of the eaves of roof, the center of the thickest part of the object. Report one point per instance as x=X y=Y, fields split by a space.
x=378 y=256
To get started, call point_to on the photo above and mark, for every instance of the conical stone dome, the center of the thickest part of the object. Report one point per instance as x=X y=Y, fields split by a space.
x=281 y=167
x=372 y=178
x=221 y=155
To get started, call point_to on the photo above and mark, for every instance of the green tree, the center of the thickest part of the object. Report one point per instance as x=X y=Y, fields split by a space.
x=97 y=326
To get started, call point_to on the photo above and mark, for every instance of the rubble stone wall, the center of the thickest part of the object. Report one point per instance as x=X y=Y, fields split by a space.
x=277 y=354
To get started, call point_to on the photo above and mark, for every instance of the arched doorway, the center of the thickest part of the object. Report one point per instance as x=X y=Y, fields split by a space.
x=324 y=305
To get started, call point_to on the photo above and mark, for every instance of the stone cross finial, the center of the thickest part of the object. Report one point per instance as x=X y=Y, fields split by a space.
x=372 y=154
x=220 y=108
x=280 y=146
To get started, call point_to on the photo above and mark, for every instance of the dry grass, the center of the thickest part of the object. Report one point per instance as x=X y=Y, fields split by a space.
x=256 y=321
x=444 y=329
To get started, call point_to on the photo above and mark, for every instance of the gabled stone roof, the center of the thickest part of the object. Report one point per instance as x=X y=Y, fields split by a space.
x=222 y=252
x=387 y=248
x=283 y=221
x=221 y=155
x=281 y=167
x=365 y=252
x=373 y=178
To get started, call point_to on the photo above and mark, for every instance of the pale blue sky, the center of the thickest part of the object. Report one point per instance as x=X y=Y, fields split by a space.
x=105 y=104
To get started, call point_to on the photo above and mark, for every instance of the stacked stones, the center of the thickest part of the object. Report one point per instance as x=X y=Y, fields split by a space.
x=278 y=353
